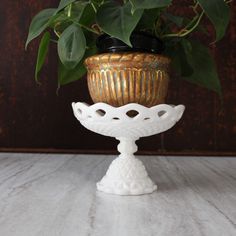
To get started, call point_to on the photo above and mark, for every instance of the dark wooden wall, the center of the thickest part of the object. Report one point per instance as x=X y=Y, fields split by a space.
x=34 y=118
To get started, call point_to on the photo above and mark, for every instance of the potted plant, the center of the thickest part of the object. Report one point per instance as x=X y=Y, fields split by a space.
x=128 y=47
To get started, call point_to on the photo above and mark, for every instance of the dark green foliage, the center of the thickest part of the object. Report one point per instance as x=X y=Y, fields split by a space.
x=42 y=53
x=76 y=25
x=123 y=21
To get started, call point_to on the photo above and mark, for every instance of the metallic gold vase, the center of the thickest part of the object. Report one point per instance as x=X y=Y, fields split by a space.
x=122 y=78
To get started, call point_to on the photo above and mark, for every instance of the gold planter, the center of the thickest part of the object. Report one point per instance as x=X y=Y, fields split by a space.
x=121 y=78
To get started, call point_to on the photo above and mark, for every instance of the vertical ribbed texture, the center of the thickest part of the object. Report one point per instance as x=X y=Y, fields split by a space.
x=119 y=85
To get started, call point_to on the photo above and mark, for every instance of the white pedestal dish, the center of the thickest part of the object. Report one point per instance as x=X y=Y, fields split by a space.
x=126 y=174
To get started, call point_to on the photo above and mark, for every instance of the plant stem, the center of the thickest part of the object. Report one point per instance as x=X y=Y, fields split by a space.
x=195 y=8
x=56 y=33
x=54 y=41
x=69 y=10
x=94 y=8
x=85 y=27
x=184 y=32
x=89 y=29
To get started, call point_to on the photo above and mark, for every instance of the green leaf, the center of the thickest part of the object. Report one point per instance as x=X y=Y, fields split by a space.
x=58 y=18
x=42 y=52
x=219 y=14
x=185 y=48
x=62 y=21
x=71 y=46
x=118 y=21
x=60 y=26
x=76 y=10
x=97 y=2
x=88 y=16
x=149 y=17
x=66 y=76
x=64 y=3
x=205 y=73
x=178 y=51
x=39 y=23
x=148 y=4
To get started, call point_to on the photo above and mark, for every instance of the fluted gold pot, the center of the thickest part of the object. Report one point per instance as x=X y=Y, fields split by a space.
x=121 y=78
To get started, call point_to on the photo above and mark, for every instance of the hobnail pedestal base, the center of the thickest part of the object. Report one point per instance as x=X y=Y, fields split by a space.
x=126 y=175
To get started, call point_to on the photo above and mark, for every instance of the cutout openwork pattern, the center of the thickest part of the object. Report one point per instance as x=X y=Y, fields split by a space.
x=131 y=120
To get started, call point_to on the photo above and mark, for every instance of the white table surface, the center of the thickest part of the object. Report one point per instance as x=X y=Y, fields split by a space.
x=52 y=195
